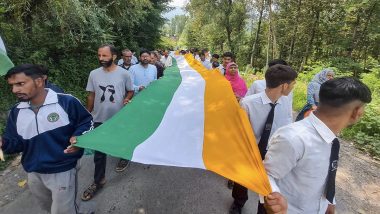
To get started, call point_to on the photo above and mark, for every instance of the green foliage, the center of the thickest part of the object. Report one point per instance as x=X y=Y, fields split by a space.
x=167 y=43
x=177 y=25
x=64 y=35
x=215 y=24
x=345 y=33
x=366 y=133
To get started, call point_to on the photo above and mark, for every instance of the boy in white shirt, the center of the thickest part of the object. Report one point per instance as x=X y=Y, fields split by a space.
x=266 y=112
x=302 y=159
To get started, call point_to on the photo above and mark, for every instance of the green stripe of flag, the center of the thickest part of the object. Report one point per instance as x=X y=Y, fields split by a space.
x=137 y=121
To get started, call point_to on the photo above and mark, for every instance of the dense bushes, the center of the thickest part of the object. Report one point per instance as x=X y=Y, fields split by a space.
x=64 y=36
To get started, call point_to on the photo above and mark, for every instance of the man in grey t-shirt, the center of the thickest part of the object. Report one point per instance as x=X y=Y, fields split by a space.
x=110 y=88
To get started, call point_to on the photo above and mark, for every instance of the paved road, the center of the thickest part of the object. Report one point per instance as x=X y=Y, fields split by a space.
x=141 y=189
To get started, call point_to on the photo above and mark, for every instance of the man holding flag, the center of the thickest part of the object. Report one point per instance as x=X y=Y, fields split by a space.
x=302 y=159
x=42 y=126
x=109 y=89
x=267 y=112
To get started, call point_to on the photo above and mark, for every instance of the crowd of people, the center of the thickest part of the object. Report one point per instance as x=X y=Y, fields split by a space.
x=301 y=158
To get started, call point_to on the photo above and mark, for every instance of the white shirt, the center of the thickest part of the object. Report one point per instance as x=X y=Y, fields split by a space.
x=166 y=61
x=297 y=164
x=260 y=85
x=142 y=76
x=133 y=62
x=206 y=63
x=257 y=87
x=258 y=107
x=222 y=69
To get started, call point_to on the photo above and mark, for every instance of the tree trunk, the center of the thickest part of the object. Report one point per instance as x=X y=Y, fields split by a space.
x=268 y=44
x=293 y=40
x=253 y=53
x=354 y=35
x=272 y=31
x=363 y=33
x=228 y=26
x=309 y=46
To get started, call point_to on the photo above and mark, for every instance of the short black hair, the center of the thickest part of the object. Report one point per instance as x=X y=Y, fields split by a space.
x=279 y=74
x=30 y=70
x=111 y=47
x=341 y=91
x=215 y=56
x=202 y=54
x=215 y=64
x=144 y=51
x=228 y=54
x=277 y=62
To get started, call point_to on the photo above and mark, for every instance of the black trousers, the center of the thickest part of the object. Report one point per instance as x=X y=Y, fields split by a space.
x=100 y=160
x=240 y=195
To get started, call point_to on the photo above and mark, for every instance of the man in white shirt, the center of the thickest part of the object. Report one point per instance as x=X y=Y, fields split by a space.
x=204 y=61
x=302 y=158
x=260 y=85
x=126 y=57
x=166 y=59
x=261 y=107
x=143 y=73
x=227 y=57
x=131 y=59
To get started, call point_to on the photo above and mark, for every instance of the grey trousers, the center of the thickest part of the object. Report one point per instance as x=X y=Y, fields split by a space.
x=56 y=192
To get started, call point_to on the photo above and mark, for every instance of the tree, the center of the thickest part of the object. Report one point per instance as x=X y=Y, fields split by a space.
x=64 y=34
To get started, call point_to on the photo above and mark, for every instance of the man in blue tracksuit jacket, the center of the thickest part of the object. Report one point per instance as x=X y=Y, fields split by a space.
x=42 y=126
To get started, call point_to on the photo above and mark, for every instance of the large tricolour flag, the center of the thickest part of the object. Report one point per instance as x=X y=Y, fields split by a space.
x=188 y=118
x=5 y=62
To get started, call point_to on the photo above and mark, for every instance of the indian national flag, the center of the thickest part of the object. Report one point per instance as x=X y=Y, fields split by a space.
x=188 y=118
x=5 y=62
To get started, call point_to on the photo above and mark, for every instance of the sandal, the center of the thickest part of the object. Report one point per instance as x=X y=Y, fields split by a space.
x=122 y=165
x=90 y=192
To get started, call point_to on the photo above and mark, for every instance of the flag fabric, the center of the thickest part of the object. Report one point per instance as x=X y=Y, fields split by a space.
x=188 y=118
x=5 y=62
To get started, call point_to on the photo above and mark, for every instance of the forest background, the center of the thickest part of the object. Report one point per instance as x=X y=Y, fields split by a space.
x=311 y=35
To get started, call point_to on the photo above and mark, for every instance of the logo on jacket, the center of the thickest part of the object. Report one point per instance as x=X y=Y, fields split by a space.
x=53 y=117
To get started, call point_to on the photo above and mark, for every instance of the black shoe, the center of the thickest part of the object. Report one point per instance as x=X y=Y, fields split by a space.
x=230 y=184
x=122 y=165
x=235 y=209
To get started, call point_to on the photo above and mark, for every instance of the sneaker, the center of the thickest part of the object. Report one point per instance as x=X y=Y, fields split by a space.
x=235 y=209
x=122 y=165
x=230 y=184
